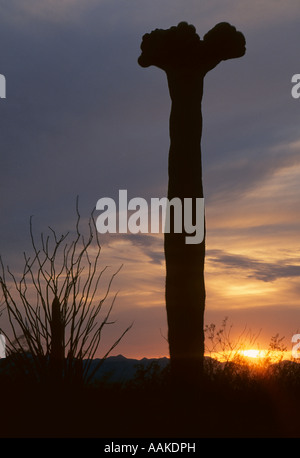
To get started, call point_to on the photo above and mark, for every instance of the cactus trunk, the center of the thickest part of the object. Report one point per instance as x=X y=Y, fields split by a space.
x=57 y=341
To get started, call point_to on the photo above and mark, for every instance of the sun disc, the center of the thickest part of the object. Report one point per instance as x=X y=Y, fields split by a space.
x=251 y=353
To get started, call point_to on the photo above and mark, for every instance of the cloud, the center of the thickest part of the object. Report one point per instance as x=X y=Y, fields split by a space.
x=247 y=169
x=81 y=118
x=50 y=11
x=258 y=14
x=260 y=270
x=150 y=245
x=261 y=321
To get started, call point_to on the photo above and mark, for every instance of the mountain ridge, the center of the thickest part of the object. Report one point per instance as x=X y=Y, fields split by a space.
x=113 y=369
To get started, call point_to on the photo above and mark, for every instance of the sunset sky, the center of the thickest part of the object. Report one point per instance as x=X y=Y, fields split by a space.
x=82 y=118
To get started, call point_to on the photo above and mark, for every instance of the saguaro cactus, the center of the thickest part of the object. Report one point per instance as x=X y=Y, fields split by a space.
x=57 y=340
x=186 y=59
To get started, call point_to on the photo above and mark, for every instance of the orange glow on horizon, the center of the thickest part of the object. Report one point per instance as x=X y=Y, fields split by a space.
x=252 y=356
x=251 y=353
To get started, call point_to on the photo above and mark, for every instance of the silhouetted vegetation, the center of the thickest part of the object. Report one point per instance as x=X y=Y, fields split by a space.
x=186 y=59
x=55 y=311
x=236 y=399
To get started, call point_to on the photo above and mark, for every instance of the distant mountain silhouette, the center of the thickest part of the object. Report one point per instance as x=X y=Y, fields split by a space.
x=120 y=369
x=114 y=369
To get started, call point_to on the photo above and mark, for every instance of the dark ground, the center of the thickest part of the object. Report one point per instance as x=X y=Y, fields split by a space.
x=232 y=405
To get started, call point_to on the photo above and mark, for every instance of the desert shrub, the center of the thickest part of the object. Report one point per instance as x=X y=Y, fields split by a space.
x=55 y=311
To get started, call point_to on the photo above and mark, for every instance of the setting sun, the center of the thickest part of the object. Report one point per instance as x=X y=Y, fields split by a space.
x=252 y=353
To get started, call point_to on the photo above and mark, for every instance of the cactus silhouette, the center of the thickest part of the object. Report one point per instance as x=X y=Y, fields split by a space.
x=186 y=59
x=57 y=340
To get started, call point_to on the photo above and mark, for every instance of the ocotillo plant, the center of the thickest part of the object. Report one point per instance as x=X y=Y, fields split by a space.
x=186 y=59
x=56 y=311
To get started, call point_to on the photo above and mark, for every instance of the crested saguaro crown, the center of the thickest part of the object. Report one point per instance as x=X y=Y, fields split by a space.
x=181 y=46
